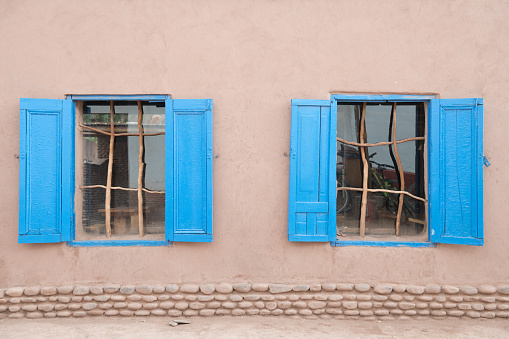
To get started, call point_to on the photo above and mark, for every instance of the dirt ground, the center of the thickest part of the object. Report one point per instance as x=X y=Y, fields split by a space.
x=252 y=327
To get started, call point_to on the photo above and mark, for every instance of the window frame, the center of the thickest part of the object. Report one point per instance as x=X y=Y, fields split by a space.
x=385 y=98
x=454 y=129
x=108 y=242
x=185 y=222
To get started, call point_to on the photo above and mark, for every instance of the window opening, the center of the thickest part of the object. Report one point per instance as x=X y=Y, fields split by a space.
x=125 y=194
x=380 y=169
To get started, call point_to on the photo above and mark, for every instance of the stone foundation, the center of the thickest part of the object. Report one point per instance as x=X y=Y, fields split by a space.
x=328 y=300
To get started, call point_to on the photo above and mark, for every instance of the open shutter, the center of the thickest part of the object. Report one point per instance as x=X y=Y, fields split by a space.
x=311 y=209
x=46 y=198
x=189 y=170
x=455 y=171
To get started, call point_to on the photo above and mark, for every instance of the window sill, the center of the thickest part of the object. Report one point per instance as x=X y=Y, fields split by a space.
x=342 y=243
x=119 y=243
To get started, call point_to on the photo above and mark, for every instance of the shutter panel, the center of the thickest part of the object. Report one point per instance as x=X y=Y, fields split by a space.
x=189 y=170
x=311 y=209
x=456 y=172
x=46 y=181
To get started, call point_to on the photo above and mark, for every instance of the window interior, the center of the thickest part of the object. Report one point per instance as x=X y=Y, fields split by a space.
x=381 y=161
x=121 y=170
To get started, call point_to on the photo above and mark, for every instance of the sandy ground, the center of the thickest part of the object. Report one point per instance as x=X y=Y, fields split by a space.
x=252 y=327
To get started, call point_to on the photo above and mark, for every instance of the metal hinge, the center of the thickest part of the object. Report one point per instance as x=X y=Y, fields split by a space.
x=486 y=162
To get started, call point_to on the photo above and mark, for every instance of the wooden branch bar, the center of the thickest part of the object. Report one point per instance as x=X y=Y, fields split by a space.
x=362 y=225
x=121 y=188
x=119 y=134
x=375 y=190
x=107 y=204
x=378 y=143
x=400 y=169
x=136 y=134
x=141 y=166
x=94 y=129
x=422 y=222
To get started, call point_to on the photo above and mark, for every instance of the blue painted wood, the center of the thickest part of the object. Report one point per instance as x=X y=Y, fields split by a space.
x=118 y=243
x=322 y=223
x=383 y=243
x=38 y=239
x=322 y=207
x=455 y=182
x=46 y=170
x=68 y=174
x=332 y=230
x=433 y=141
x=381 y=97
x=299 y=227
x=168 y=199
x=480 y=169
x=310 y=155
x=192 y=106
x=308 y=238
x=312 y=224
x=324 y=161
x=190 y=167
x=118 y=97
x=191 y=237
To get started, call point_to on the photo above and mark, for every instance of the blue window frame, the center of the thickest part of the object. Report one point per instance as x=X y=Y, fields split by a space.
x=454 y=170
x=47 y=170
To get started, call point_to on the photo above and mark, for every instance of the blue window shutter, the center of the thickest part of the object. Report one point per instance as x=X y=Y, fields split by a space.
x=455 y=171
x=189 y=170
x=46 y=181
x=311 y=208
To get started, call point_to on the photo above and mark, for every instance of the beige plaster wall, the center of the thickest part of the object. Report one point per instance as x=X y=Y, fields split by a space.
x=252 y=58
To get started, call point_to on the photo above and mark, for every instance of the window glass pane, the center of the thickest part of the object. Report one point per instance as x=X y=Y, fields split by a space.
x=125 y=170
x=347 y=212
x=91 y=218
x=378 y=122
x=383 y=169
x=154 y=123
x=348 y=121
x=381 y=214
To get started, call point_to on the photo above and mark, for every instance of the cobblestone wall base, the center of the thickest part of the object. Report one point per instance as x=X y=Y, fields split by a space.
x=327 y=300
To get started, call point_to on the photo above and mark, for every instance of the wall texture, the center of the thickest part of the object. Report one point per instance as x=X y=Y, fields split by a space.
x=327 y=300
x=252 y=58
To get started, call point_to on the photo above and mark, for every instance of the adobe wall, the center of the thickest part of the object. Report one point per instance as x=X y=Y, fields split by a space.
x=252 y=58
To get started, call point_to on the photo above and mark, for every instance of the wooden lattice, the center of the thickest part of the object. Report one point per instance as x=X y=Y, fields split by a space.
x=401 y=178
x=141 y=167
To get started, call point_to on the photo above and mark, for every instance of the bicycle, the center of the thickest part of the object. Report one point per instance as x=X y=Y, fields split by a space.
x=342 y=196
x=378 y=180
